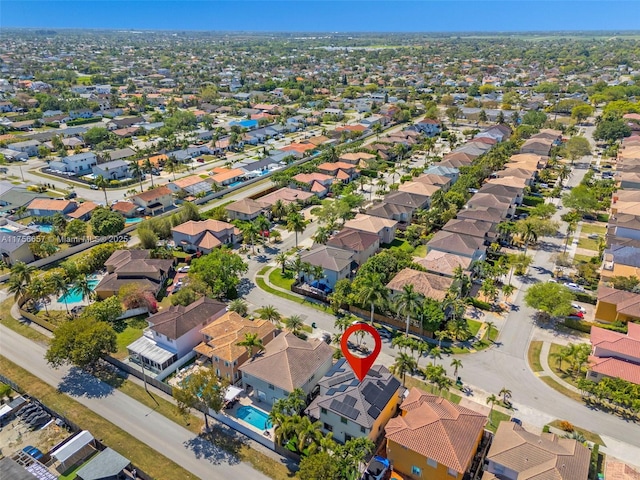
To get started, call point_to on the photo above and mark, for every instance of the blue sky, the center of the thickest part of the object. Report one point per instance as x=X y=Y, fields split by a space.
x=326 y=15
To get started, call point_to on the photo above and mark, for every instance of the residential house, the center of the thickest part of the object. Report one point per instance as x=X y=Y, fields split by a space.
x=125 y=267
x=15 y=247
x=419 y=188
x=286 y=363
x=614 y=354
x=193 y=185
x=617 y=306
x=528 y=161
x=471 y=227
x=79 y=164
x=362 y=245
x=433 y=437
x=621 y=260
x=117 y=154
x=413 y=201
x=510 y=181
x=439 y=169
x=30 y=147
x=315 y=182
x=114 y=170
x=516 y=194
x=47 y=207
x=516 y=454
x=226 y=176
x=486 y=214
x=527 y=175
x=154 y=201
x=349 y=408
x=427 y=284
x=173 y=333
x=336 y=263
x=106 y=465
x=443 y=263
x=493 y=201
x=383 y=227
x=400 y=213
x=204 y=235
x=246 y=209
x=625 y=226
x=220 y=343
x=428 y=126
x=356 y=158
x=625 y=201
x=13 y=197
x=459 y=244
x=439 y=180
x=126 y=209
x=343 y=171
x=83 y=212
x=14 y=155
x=628 y=180
x=286 y=195
x=538 y=146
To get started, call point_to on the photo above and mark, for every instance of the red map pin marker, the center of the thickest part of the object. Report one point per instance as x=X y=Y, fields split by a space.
x=360 y=365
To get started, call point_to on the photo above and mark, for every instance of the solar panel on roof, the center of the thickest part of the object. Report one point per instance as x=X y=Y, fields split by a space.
x=373 y=412
x=344 y=409
x=349 y=400
x=374 y=373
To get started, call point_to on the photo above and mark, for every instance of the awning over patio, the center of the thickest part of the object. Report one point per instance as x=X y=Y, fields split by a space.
x=72 y=447
x=231 y=393
x=150 y=350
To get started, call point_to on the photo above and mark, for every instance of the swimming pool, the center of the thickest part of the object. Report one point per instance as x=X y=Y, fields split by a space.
x=255 y=417
x=5 y=229
x=45 y=228
x=129 y=221
x=235 y=184
x=74 y=295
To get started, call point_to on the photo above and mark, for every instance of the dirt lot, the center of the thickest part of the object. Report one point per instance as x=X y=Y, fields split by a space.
x=15 y=436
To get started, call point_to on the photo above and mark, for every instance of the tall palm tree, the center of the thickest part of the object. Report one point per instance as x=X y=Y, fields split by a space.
x=529 y=234
x=282 y=259
x=491 y=400
x=253 y=344
x=294 y=323
x=263 y=224
x=456 y=363
x=171 y=166
x=372 y=291
x=435 y=354
x=38 y=290
x=505 y=393
x=270 y=313
x=82 y=285
x=148 y=167
x=563 y=173
x=408 y=302
x=571 y=229
x=507 y=291
x=490 y=326
x=136 y=171
x=102 y=183
x=403 y=364
x=239 y=306
x=296 y=223
x=308 y=433
x=461 y=284
x=58 y=285
x=322 y=235
x=441 y=335
x=17 y=288
x=278 y=209
x=250 y=232
x=22 y=272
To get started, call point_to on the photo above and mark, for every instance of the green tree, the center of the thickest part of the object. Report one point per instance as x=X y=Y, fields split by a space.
x=83 y=286
x=185 y=296
x=148 y=239
x=611 y=129
x=252 y=342
x=581 y=112
x=220 y=270
x=456 y=364
x=576 y=147
x=239 y=306
x=551 y=298
x=370 y=290
x=282 y=258
x=407 y=303
x=491 y=401
x=270 y=313
x=629 y=284
x=81 y=343
x=104 y=222
x=403 y=364
x=76 y=229
x=319 y=466
x=204 y=389
x=582 y=199
x=296 y=223
x=96 y=135
x=107 y=310
x=102 y=183
x=534 y=118
x=294 y=323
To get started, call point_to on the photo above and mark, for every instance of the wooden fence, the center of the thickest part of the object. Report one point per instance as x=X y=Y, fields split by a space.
x=392 y=322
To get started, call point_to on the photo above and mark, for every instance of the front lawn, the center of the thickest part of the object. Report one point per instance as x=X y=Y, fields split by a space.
x=474 y=326
x=495 y=418
x=588 y=244
x=285 y=282
x=589 y=436
x=590 y=228
x=420 y=251
x=533 y=355
x=557 y=366
x=411 y=382
x=577 y=258
x=131 y=332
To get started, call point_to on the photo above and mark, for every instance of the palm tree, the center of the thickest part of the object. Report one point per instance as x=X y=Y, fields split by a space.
x=58 y=285
x=372 y=291
x=282 y=259
x=278 y=209
x=490 y=326
x=250 y=232
x=148 y=167
x=322 y=235
x=507 y=290
x=270 y=313
x=506 y=394
x=18 y=288
x=491 y=400
x=294 y=323
x=22 y=272
x=408 y=302
x=38 y=290
x=308 y=433
x=529 y=234
x=263 y=225
x=461 y=282
x=442 y=383
x=435 y=354
x=456 y=364
x=564 y=173
x=136 y=171
x=102 y=183
x=82 y=285
x=296 y=223
x=171 y=166
x=404 y=364
x=239 y=306
x=441 y=335
x=251 y=341
x=571 y=228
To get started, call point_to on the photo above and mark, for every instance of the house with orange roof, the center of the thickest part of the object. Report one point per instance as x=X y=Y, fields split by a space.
x=383 y=227
x=614 y=354
x=156 y=160
x=227 y=176
x=433 y=438
x=47 y=207
x=127 y=209
x=83 y=212
x=191 y=185
x=617 y=306
x=286 y=195
x=317 y=183
x=343 y=171
x=154 y=201
x=300 y=148
x=204 y=235
x=219 y=348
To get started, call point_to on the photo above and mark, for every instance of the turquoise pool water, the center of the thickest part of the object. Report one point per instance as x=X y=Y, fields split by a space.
x=129 y=221
x=254 y=417
x=45 y=228
x=5 y=229
x=235 y=184
x=75 y=296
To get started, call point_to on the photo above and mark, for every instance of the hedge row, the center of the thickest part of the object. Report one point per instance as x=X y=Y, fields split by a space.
x=532 y=201
x=586 y=298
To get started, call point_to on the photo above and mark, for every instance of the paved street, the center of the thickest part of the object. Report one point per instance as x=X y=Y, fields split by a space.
x=170 y=439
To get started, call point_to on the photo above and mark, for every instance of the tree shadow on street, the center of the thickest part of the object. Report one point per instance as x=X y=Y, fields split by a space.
x=216 y=446
x=245 y=286
x=79 y=383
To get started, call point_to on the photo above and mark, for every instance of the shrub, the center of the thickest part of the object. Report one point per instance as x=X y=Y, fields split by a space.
x=480 y=304
x=532 y=201
x=566 y=426
x=586 y=298
x=545 y=429
x=578 y=325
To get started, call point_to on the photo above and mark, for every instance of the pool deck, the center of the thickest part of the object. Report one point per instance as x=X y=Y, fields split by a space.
x=245 y=401
x=54 y=304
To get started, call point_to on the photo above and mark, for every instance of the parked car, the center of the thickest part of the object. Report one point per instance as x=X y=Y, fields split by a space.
x=517 y=421
x=71 y=195
x=574 y=287
x=579 y=308
x=93 y=187
x=184 y=269
x=543 y=185
x=379 y=468
x=577 y=313
x=593 y=236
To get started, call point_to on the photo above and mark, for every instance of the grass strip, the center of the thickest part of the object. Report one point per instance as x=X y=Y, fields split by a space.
x=533 y=356
x=141 y=455
x=495 y=418
x=411 y=382
x=590 y=436
x=20 y=328
x=263 y=285
x=561 y=388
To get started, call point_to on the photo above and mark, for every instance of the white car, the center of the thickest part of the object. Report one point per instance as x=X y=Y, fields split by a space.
x=184 y=269
x=574 y=287
x=580 y=308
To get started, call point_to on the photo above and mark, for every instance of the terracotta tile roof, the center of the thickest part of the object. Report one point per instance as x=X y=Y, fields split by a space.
x=368 y=223
x=334 y=166
x=288 y=361
x=193 y=227
x=616 y=368
x=545 y=457
x=509 y=181
x=83 y=209
x=209 y=241
x=438 y=429
x=420 y=188
x=355 y=240
x=229 y=329
x=342 y=175
x=442 y=263
x=154 y=194
x=616 y=470
x=351 y=128
x=49 y=204
x=178 y=320
x=355 y=157
x=425 y=283
x=318 y=187
x=188 y=181
x=287 y=195
x=228 y=174
x=312 y=177
x=298 y=147
x=628 y=345
x=433 y=179
x=247 y=206
x=627 y=303
x=123 y=207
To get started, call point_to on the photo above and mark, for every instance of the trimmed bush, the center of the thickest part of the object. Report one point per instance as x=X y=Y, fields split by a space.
x=577 y=325
x=586 y=298
x=480 y=304
x=532 y=201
